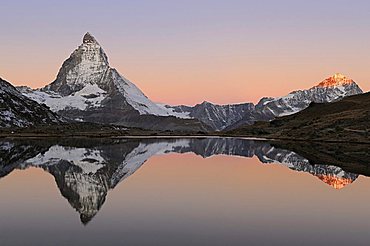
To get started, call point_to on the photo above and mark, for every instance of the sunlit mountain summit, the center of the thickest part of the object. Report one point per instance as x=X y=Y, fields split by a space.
x=337 y=79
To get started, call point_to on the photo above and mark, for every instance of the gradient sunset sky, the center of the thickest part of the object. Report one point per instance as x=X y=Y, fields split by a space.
x=185 y=52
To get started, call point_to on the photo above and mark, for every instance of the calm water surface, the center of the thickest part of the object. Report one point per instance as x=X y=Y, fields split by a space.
x=183 y=192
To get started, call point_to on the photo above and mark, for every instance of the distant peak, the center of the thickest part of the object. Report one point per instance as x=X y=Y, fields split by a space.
x=336 y=80
x=88 y=38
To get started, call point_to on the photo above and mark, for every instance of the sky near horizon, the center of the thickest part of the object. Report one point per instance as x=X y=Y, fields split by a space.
x=186 y=52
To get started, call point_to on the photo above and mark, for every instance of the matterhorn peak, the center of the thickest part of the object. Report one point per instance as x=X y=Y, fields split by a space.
x=87 y=65
x=88 y=38
x=337 y=79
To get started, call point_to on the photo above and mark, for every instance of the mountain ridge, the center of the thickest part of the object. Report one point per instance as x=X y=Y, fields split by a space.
x=228 y=117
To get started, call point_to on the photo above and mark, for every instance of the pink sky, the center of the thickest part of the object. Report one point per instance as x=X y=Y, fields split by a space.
x=186 y=53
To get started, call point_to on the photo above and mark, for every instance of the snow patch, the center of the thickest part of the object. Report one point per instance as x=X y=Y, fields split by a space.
x=91 y=96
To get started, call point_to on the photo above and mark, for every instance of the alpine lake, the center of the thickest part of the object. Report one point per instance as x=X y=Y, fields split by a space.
x=183 y=191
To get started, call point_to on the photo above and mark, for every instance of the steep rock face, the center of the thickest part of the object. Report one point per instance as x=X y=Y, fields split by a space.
x=88 y=89
x=86 y=66
x=16 y=110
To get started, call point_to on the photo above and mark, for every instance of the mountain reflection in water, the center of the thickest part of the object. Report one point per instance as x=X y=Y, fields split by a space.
x=85 y=170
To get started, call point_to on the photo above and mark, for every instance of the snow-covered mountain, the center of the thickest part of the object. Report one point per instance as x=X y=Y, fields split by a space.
x=16 y=110
x=331 y=89
x=88 y=89
x=85 y=171
x=227 y=117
